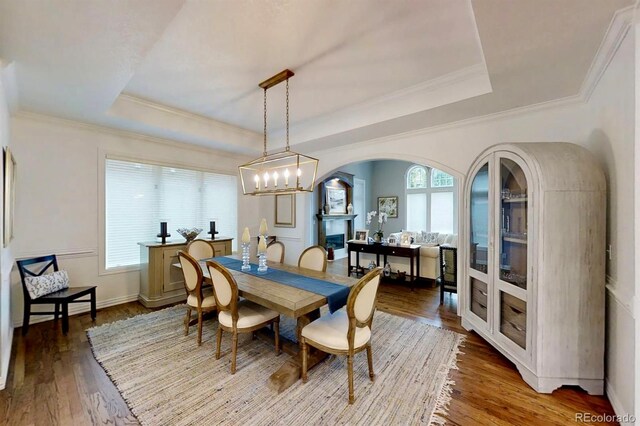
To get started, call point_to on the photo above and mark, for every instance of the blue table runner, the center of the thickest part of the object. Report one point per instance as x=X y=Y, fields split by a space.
x=336 y=294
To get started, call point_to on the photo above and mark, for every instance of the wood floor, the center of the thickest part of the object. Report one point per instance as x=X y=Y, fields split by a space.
x=54 y=379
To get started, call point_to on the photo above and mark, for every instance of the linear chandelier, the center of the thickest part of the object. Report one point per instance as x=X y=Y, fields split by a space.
x=283 y=172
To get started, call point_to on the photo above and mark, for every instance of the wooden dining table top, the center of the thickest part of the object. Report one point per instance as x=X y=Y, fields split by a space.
x=282 y=298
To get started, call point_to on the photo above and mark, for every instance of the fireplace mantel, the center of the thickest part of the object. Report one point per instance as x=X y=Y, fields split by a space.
x=324 y=217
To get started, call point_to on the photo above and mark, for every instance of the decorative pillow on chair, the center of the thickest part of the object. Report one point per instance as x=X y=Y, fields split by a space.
x=47 y=283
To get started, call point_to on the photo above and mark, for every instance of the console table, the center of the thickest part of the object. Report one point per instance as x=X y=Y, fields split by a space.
x=412 y=252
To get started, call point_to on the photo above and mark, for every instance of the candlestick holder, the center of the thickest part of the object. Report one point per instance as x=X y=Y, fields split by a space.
x=245 y=257
x=262 y=262
x=163 y=232
x=212 y=230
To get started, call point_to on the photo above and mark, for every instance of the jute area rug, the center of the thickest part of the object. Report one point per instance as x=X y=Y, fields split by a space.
x=166 y=379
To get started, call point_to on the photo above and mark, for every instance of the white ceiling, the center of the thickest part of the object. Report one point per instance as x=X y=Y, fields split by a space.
x=188 y=70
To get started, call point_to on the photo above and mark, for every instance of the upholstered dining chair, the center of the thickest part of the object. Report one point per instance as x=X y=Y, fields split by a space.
x=195 y=298
x=235 y=315
x=347 y=331
x=275 y=252
x=315 y=258
x=200 y=249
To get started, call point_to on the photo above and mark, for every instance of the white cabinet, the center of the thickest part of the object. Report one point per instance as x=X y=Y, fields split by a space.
x=534 y=272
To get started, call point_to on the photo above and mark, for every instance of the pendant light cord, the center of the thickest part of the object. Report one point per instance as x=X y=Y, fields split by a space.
x=264 y=153
x=287 y=149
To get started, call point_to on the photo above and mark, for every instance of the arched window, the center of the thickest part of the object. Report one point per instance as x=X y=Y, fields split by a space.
x=431 y=201
x=417 y=177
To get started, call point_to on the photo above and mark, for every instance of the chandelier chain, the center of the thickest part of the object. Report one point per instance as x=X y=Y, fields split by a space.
x=287 y=149
x=264 y=153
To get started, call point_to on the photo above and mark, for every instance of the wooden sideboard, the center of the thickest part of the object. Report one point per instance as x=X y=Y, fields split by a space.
x=160 y=283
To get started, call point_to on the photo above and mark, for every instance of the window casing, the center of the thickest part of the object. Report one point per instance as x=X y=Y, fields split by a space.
x=138 y=196
x=431 y=200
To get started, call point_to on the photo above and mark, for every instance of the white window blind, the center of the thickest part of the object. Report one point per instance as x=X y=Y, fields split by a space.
x=139 y=196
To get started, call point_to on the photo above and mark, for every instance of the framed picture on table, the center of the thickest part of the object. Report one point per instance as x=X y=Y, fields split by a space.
x=362 y=236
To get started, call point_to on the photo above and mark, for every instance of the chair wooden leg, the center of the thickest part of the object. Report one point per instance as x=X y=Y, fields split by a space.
x=370 y=361
x=187 y=320
x=93 y=304
x=218 y=342
x=441 y=293
x=25 y=318
x=276 y=331
x=303 y=343
x=234 y=351
x=65 y=318
x=199 y=327
x=350 y=371
x=57 y=311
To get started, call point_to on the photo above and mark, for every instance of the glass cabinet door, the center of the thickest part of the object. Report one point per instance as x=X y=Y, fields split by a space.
x=479 y=253
x=513 y=224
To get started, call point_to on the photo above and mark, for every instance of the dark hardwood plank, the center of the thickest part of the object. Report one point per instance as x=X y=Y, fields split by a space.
x=54 y=379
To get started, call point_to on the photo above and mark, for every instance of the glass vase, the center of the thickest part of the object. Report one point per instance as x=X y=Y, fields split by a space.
x=245 y=257
x=262 y=262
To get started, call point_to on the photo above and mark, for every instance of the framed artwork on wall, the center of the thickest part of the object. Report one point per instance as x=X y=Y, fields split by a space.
x=388 y=205
x=285 y=211
x=337 y=200
x=9 y=195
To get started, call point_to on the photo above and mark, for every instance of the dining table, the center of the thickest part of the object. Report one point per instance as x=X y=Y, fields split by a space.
x=300 y=304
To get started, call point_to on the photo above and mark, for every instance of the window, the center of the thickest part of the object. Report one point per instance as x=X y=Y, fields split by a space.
x=431 y=202
x=417 y=177
x=138 y=196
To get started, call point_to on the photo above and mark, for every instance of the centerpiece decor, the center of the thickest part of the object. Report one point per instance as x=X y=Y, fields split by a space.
x=382 y=219
x=246 y=243
x=262 y=254
x=189 y=234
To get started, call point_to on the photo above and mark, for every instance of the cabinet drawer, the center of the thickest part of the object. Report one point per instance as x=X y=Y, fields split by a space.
x=479 y=298
x=513 y=319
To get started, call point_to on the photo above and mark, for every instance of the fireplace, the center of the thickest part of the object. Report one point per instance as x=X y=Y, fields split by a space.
x=336 y=241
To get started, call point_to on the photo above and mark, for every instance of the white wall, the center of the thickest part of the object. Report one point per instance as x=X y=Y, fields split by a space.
x=6 y=259
x=57 y=189
x=611 y=116
x=605 y=125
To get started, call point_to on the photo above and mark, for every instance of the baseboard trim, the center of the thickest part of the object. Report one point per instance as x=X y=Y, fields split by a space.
x=6 y=357
x=81 y=308
x=620 y=411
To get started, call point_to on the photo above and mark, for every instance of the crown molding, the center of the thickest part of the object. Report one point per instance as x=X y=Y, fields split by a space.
x=190 y=115
x=616 y=32
x=49 y=119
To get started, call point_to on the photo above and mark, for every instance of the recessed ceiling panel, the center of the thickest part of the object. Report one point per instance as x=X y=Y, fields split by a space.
x=211 y=58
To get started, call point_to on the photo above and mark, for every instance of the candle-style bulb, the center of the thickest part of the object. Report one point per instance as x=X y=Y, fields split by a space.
x=275 y=179
x=256 y=178
x=286 y=177
x=299 y=172
x=266 y=179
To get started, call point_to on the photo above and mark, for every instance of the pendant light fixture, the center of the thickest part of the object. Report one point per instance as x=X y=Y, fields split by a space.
x=284 y=172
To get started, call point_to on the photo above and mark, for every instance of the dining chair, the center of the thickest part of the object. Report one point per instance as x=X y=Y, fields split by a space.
x=315 y=258
x=235 y=315
x=200 y=249
x=347 y=331
x=195 y=298
x=275 y=252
